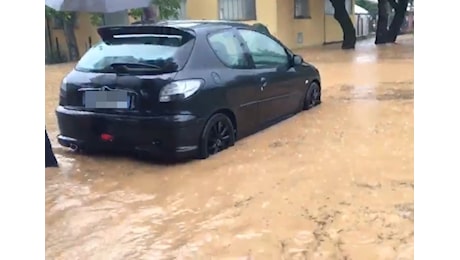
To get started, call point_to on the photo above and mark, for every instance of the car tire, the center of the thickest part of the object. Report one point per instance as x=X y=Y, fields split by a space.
x=218 y=134
x=312 y=96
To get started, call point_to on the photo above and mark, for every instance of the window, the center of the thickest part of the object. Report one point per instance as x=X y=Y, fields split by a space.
x=265 y=52
x=228 y=49
x=302 y=9
x=329 y=9
x=240 y=10
x=170 y=52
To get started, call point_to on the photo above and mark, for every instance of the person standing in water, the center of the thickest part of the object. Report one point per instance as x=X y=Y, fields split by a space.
x=50 y=159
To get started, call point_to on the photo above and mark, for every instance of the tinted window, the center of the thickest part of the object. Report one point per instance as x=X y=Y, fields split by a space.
x=166 y=51
x=228 y=49
x=264 y=50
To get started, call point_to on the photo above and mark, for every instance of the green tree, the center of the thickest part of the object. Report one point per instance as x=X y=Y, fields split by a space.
x=167 y=9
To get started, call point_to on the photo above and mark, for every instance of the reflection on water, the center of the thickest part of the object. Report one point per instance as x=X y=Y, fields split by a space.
x=335 y=182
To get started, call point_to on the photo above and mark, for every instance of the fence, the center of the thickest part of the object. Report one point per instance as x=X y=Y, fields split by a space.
x=53 y=52
x=364 y=25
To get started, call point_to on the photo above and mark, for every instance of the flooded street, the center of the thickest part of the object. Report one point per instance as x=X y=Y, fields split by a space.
x=335 y=182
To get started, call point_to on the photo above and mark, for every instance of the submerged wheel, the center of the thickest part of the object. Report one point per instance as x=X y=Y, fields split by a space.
x=313 y=96
x=218 y=135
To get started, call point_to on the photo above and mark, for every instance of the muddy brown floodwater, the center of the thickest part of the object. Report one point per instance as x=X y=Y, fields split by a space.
x=335 y=182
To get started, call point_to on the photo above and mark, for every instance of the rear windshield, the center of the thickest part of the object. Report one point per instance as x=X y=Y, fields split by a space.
x=169 y=52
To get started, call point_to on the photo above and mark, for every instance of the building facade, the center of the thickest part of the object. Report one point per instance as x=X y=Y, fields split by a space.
x=297 y=23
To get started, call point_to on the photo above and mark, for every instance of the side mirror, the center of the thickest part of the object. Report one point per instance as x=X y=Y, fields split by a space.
x=297 y=60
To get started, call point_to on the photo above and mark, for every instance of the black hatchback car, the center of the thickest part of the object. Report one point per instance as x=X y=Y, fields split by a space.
x=181 y=89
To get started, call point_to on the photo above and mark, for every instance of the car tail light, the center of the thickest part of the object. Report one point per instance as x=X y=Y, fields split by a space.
x=107 y=137
x=180 y=90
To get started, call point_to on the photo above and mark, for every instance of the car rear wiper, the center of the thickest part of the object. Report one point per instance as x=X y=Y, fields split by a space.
x=127 y=65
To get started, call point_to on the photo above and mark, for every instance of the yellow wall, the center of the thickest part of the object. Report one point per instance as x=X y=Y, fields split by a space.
x=209 y=9
x=333 y=32
x=203 y=9
x=312 y=28
x=277 y=15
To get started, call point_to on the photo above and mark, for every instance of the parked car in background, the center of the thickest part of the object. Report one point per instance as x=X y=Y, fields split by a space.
x=181 y=89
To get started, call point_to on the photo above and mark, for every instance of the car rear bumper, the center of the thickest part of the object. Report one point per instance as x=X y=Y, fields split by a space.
x=165 y=137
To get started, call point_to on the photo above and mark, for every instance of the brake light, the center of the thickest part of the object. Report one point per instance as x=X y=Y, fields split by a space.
x=106 y=137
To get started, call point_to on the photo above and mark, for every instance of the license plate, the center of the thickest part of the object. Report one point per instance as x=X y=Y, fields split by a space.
x=107 y=99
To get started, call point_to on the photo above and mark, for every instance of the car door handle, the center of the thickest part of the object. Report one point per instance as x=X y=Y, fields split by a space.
x=263 y=81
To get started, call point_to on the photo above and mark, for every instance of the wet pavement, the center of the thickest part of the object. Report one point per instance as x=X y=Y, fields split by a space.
x=335 y=182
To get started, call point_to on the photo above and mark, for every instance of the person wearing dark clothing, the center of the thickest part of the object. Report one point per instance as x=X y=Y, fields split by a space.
x=50 y=159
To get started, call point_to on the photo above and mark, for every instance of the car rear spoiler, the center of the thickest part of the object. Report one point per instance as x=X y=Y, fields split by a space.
x=107 y=33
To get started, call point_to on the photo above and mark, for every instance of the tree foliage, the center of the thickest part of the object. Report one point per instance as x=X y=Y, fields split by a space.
x=97 y=19
x=68 y=18
x=167 y=9
x=51 y=13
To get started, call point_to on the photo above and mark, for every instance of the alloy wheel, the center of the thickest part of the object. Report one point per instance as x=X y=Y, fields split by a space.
x=313 y=96
x=219 y=137
x=218 y=134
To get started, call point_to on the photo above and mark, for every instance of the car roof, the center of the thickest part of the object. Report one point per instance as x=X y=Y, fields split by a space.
x=196 y=27
x=202 y=24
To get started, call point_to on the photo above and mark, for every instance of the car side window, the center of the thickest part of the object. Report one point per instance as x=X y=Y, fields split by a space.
x=228 y=49
x=265 y=52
